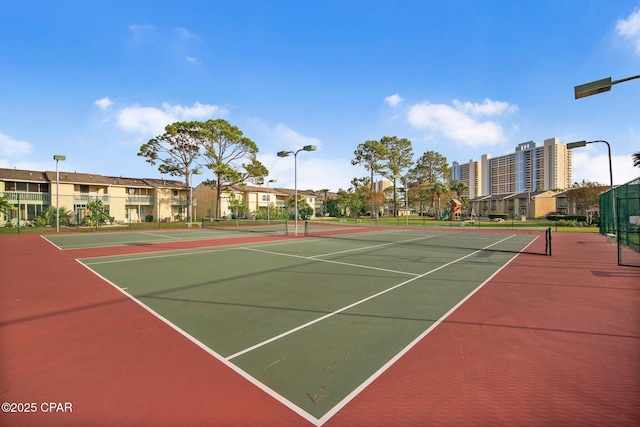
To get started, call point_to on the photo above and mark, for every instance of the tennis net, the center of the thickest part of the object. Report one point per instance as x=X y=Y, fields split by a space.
x=530 y=241
x=247 y=225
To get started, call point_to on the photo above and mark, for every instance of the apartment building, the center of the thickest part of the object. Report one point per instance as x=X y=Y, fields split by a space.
x=131 y=199
x=124 y=199
x=513 y=182
x=530 y=168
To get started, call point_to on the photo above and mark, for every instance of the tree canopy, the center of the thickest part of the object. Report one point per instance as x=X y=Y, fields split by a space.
x=230 y=156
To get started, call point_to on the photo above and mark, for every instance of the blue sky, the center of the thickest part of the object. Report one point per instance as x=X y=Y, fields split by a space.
x=95 y=80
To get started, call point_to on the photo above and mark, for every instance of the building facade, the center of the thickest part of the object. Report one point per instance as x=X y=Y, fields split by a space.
x=128 y=200
x=530 y=168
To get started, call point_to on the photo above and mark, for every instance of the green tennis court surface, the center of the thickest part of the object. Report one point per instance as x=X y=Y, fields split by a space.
x=312 y=320
x=151 y=236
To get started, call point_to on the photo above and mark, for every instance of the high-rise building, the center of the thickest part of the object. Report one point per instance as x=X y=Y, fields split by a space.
x=531 y=167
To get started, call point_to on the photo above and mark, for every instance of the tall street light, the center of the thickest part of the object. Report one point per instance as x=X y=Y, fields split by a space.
x=598 y=86
x=57 y=158
x=269 y=199
x=295 y=179
x=197 y=172
x=578 y=144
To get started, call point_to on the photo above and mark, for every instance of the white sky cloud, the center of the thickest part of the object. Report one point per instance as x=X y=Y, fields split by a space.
x=14 y=148
x=393 y=100
x=152 y=120
x=104 y=103
x=586 y=164
x=487 y=108
x=629 y=28
x=457 y=122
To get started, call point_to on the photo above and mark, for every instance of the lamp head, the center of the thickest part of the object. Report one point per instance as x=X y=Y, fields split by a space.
x=283 y=153
x=59 y=157
x=576 y=144
x=309 y=148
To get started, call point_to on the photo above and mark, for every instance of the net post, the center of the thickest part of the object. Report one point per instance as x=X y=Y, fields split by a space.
x=306 y=228
x=548 y=241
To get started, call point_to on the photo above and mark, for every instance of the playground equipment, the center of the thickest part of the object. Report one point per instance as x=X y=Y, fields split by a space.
x=454 y=208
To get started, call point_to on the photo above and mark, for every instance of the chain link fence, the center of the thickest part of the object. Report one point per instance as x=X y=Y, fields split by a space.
x=620 y=217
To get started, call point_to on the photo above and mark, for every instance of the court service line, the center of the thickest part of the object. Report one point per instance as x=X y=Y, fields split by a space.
x=175 y=252
x=159 y=235
x=372 y=246
x=312 y=258
x=340 y=310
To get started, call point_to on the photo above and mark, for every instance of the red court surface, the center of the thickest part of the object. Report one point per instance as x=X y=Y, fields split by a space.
x=548 y=341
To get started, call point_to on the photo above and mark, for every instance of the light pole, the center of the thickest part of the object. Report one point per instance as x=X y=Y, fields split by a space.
x=57 y=158
x=197 y=172
x=578 y=144
x=598 y=86
x=295 y=179
x=269 y=199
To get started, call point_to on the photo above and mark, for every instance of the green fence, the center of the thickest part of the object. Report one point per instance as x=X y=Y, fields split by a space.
x=620 y=215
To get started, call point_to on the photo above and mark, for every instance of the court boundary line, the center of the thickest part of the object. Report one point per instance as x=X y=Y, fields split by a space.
x=203 y=233
x=347 y=307
x=373 y=246
x=312 y=258
x=357 y=390
x=295 y=408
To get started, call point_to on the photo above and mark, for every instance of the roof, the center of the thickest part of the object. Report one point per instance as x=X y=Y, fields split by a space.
x=86 y=178
x=22 y=175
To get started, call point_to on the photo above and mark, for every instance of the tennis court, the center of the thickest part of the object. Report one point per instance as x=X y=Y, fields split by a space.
x=151 y=236
x=310 y=321
x=354 y=327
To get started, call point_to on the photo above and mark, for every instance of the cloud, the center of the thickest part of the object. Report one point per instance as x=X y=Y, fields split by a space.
x=594 y=166
x=393 y=100
x=281 y=136
x=192 y=59
x=459 y=123
x=186 y=35
x=142 y=33
x=487 y=108
x=152 y=120
x=104 y=103
x=630 y=28
x=13 y=148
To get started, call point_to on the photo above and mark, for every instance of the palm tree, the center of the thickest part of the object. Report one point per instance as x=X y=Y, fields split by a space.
x=636 y=159
x=440 y=188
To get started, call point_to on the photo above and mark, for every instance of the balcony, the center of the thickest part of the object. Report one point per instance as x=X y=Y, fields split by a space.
x=23 y=197
x=83 y=198
x=140 y=200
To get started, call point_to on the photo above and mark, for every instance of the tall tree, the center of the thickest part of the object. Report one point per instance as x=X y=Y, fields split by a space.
x=430 y=168
x=586 y=195
x=370 y=154
x=439 y=189
x=230 y=155
x=176 y=151
x=398 y=158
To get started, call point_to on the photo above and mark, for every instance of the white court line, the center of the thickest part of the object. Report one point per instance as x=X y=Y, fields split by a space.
x=54 y=245
x=295 y=408
x=372 y=246
x=180 y=252
x=158 y=234
x=312 y=258
x=338 y=407
x=347 y=307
